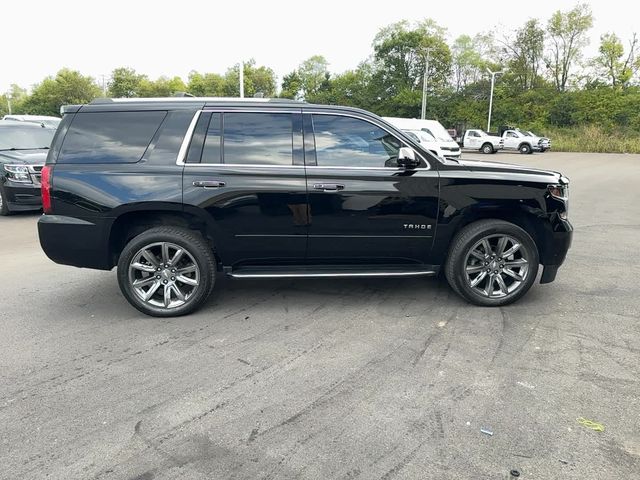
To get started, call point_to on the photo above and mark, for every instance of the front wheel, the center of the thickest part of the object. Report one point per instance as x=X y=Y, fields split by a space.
x=492 y=263
x=166 y=271
x=525 y=148
x=487 y=148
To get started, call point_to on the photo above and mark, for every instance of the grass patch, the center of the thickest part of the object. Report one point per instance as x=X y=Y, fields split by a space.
x=593 y=139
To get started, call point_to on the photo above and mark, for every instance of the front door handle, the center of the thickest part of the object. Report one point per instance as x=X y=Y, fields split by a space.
x=328 y=187
x=208 y=183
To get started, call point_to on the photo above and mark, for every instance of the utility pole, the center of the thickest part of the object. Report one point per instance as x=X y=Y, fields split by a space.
x=9 y=103
x=241 y=78
x=493 y=79
x=424 y=85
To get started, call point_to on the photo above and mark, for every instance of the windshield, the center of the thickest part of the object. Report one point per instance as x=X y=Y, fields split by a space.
x=438 y=132
x=21 y=137
x=423 y=137
x=526 y=134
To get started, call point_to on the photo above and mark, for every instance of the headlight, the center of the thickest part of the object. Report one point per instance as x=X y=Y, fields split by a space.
x=561 y=192
x=18 y=173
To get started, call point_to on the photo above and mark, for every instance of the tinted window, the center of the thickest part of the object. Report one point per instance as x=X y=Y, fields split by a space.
x=350 y=142
x=24 y=137
x=211 y=151
x=258 y=138
x=109 y=137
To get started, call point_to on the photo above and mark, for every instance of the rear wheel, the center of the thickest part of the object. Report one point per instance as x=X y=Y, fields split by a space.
x=166 y=271
x=487 y=148
x=525 y=148
x=492 y=263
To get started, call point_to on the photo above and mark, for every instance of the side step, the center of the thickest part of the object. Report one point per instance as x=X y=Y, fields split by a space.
x=311 y=271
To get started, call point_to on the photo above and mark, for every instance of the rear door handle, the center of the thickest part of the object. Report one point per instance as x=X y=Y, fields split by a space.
x=328 y=187
x=208 y=183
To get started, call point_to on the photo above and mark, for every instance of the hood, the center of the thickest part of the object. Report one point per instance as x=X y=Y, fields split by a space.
x=498 y=168
x=28 y=157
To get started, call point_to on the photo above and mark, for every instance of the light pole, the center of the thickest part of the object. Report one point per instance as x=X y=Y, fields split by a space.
x=493 y=79
x=424 y=85
x=242 y=79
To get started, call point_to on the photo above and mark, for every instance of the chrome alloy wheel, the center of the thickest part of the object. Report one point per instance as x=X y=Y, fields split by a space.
x=496 y=266
x=164 y=275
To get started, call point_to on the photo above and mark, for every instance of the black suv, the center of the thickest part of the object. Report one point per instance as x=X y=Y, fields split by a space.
x=23 y=150
x=178 y=191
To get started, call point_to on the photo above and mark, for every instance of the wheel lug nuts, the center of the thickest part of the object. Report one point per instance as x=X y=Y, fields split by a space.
x=164 y=281
x=173 y=270
x=496 y=272
x=501 y=266
x=173 y=279
x=158 y=277
x=158 y=269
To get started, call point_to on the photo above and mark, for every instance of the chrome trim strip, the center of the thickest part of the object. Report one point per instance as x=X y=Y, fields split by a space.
x=182 y=153
x=336 y=274
x=240 y=165
x=180 y=160
x=333 y=236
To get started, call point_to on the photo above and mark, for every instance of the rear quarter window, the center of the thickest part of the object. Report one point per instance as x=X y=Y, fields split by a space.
x=109 y=137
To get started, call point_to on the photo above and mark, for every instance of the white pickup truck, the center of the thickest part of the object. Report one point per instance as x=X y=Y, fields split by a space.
x=516 y=140
x=476 y=139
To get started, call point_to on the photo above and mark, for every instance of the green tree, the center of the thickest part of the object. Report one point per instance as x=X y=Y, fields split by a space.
x=612 y=62
x=467 y=61
x=205 y=84
x=162 y=87
x=67 y=87
x=568 y=35
x=256 y=80
x=125 y=83
x=313 y=73
x=291 y=86
x=525 y=54
x=13 y=100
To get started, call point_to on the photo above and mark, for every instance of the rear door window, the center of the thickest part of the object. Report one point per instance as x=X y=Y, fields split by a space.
x=110 y=137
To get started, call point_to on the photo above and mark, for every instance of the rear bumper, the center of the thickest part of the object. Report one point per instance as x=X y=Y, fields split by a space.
x=22 y=197
x=74 y=241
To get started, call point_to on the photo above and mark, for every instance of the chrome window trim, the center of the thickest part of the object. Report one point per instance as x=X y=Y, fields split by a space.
x=182 y=152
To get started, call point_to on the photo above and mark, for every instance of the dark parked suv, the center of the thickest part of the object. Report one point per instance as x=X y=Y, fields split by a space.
x=175 y=192
x=23 y=150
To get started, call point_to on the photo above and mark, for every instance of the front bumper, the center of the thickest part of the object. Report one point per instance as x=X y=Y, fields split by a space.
x=74 y=241
x=22 y=196
x=557 y=242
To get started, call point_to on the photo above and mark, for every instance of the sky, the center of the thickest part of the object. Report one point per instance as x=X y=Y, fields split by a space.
x=157 y=38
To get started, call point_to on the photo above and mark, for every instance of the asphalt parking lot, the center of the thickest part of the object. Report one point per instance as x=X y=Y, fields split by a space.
x=323 y=379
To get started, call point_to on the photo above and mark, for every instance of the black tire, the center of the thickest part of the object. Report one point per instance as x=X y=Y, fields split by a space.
x=197 y=249
x=525 y=148
x=487 y=148
x=464 y=241
x=4 y=206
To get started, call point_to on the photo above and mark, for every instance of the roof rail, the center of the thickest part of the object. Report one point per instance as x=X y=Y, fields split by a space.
x=187 y=98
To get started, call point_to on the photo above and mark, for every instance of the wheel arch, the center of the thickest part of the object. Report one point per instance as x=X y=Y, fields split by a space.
x=136 y=220
x=521 y=215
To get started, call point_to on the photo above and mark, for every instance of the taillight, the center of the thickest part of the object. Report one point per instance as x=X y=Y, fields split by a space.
x=45 y=180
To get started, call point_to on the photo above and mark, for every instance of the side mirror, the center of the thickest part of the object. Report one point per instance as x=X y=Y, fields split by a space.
x=407 y=158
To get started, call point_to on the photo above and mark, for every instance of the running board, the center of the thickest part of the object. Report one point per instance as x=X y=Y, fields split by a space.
x=325 y=272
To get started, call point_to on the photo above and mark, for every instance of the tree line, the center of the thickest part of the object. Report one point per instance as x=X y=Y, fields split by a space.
x=546 y=81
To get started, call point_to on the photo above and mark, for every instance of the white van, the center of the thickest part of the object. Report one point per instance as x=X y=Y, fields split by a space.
x=447 y=144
